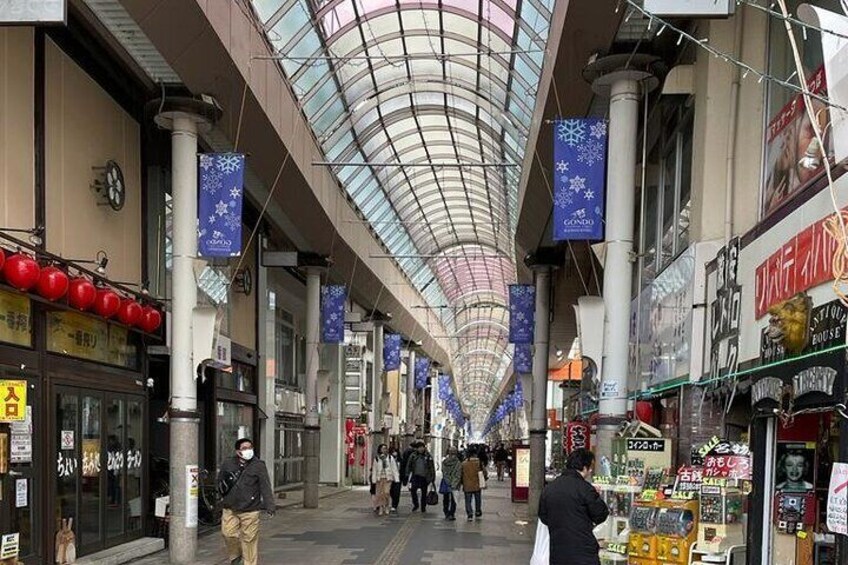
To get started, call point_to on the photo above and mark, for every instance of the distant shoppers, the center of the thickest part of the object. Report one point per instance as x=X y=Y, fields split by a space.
x=483 y=454
x=384 y=472
x=471 y=469
x=422 y=472
x=243 y=481
x=395 y=492
x=501 y=458
x=451 y=481
x=570 y=507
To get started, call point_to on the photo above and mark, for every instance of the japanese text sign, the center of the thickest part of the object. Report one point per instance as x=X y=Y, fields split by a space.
x=13 y=399
x=728 y=466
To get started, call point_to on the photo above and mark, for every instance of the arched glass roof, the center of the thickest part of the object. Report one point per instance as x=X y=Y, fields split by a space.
x=398 y=94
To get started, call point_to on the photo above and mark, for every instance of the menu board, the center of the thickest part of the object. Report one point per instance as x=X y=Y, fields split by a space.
x=15 y=319
x=522 y=467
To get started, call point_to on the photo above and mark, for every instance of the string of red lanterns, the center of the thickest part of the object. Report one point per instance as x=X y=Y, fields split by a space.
x=22 y=272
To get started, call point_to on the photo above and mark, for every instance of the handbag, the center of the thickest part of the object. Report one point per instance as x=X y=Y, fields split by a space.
x=444 y=487
x=481 y=478
x=432 y=497
x=542 y=547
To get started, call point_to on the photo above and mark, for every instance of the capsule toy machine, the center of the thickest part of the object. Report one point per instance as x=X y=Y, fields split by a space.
x=722 y=513
x=642 y=540
x=677 y=530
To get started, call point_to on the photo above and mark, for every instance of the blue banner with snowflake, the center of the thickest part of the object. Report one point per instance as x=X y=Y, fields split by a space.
x=522 y=360
x=333 y=297
x=391 y=352
x=221 y=180
x=422 y=372
x=522 y=313
x=580 y=163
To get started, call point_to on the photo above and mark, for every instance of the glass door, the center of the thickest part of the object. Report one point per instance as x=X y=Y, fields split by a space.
x=100 y=471
x=21 y=492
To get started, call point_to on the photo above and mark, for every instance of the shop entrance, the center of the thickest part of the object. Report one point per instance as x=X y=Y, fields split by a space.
x=100 y=466
x=21 y=492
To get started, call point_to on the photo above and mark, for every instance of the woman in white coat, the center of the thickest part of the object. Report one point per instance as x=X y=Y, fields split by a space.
x=384 y=471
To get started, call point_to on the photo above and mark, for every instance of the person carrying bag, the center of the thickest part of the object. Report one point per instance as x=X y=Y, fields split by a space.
x=474 y=477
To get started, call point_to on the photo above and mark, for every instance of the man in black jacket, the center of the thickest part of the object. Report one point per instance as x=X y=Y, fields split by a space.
x=243 y=480
x=570 y=507
x=421 y=470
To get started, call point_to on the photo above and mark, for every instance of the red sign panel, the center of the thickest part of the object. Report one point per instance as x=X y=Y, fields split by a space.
x=728 y=467
x=801 y=263
x=576 y=436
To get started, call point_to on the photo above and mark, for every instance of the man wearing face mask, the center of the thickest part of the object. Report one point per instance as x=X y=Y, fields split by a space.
x=570 y=507
x=246 y=489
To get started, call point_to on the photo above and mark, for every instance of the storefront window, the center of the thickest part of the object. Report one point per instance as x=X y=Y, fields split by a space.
x=89 y=520
x=288 y=452
x=134 y=463
x=67 y=466
x=238 y=377
x=789 y=134
x=285 y=355
x=235 y=421
x=115 y=490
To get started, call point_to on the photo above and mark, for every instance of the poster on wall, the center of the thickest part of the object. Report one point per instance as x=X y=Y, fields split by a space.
x=796 y=466
x=192 y=478
x=522 y=467
x=792 y=151
x=837 y=499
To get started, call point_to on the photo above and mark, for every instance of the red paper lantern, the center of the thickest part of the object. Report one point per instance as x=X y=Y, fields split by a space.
x=130 y=312
x=52 y=283
x=21 y=271
x=150 y=320
x=81 y=293
x=107 y=303
x=644 y=411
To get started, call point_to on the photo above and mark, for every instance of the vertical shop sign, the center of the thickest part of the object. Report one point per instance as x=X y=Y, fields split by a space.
x=522 y=313
x=580 y=163
x=837 y=499
x=522 y=361
x=391 y=352
x=576 y=436
x=726 y=313
x=333 y=297
x=192 y=478
x=221 y=180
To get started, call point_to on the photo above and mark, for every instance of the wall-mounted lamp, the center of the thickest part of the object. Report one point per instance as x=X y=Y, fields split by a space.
x=100 y=259
x=35 y=234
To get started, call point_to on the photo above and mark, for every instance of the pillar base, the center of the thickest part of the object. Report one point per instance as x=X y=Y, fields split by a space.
x=312 y=465
x=537 y=470
x=182 y=544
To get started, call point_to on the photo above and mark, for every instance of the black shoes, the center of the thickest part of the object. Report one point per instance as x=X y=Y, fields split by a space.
x=414 y=508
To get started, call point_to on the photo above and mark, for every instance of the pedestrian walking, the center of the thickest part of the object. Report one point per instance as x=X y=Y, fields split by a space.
x=474 y=476
x=501 y=457
x=570 y=507
x=395 y=491
x=243 y=481
x=422 y=473
x=451 y=481
x=384 y=472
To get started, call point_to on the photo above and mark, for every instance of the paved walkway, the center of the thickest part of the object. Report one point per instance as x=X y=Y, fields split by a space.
x=344 y=531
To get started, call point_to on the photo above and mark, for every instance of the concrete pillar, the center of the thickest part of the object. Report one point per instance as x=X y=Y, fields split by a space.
x=266 y=389
x=312 y=428
x=183 y=117
x=624 y=88
x=379 y=382
x=538 y=416
x=332 y=420
x=410 y=398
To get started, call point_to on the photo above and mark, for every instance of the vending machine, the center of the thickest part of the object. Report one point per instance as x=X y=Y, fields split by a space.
x=642 y=541
x=721 y=518
x=677 y=530
x=619 y=499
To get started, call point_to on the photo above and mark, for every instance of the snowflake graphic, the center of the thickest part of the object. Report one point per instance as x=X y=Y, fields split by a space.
x=212 y=181
x=221 y=208
x=563 y=179
x=229 y=163
x=232 y=221
x=590 y=153
x=563 y=199
x=206 y=162
x=235 y=192
x=212 y=219
x=577 y=183
x=562 y=166
x=337 y=291
x=598 y=130
x=589 y=194
x=571 y=132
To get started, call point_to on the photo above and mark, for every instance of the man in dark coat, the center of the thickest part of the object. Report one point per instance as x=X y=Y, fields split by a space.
x=570 y=507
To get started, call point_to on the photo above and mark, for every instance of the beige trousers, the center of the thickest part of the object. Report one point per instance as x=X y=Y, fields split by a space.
x=241 y=534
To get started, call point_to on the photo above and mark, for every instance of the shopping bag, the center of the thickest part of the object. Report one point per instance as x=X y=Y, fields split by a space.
x=481 y=477
x=542 y=548
x=444 y=487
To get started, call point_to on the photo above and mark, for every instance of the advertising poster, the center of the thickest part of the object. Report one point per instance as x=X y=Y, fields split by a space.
x=796 y=466
x=837 y=499
x=522 y=467
x=791 y=147
x=192 y=491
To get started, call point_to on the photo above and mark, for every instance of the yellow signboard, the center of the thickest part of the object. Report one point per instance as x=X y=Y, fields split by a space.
x=15 y=320
x=13 y=401
x=78 y=335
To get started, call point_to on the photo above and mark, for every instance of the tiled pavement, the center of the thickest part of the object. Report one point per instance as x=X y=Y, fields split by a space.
x=344 y=531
